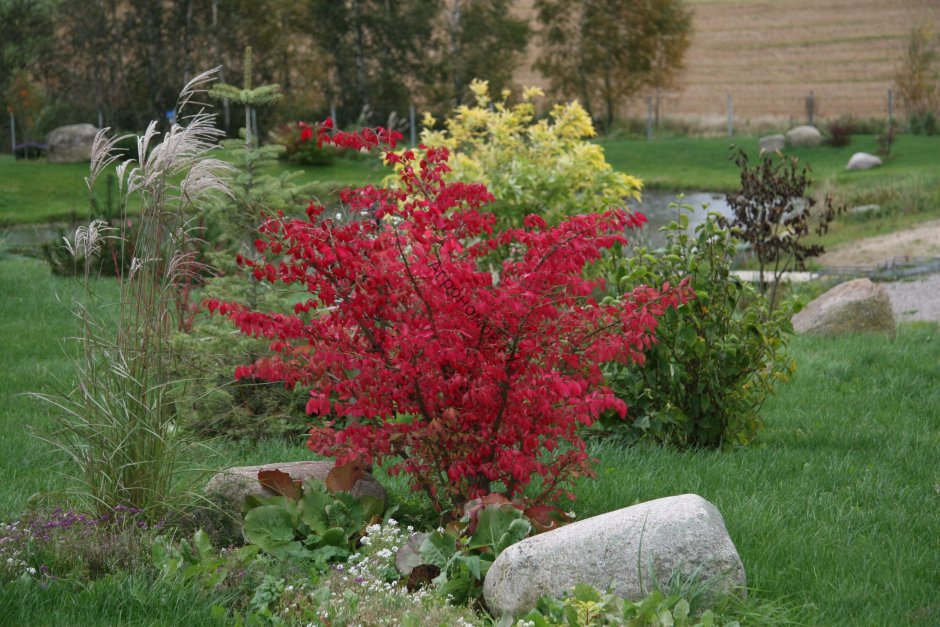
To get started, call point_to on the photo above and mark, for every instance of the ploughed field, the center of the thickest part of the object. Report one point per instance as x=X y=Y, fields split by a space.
x=769 y=55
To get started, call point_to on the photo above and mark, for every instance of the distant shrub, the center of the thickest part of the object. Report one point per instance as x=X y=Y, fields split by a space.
x=924 y=123
x=885 y=140
x=300 y=145
x=773 y=213
x=840 y=132
x=546 y=166
x=717 y=357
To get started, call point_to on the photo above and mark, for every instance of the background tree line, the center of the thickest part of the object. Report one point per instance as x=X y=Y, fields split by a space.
x=119 y=63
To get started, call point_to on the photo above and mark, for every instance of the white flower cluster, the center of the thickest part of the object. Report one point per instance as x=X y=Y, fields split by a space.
x=12 y=564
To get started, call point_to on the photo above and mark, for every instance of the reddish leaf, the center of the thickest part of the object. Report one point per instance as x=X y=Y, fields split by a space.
x=280 y=482
x=546 y=517
x=473 y=508
x=343 y=478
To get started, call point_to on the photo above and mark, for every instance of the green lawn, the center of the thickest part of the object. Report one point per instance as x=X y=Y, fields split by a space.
x=835 y=509
x=36 y=192
x=704 y=164
x=32 y=192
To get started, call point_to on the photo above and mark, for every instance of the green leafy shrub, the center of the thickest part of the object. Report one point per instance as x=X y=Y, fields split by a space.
x=924 y=123
x=315 y=521
x=585 y=606
x=456 y=559
x=717 y=357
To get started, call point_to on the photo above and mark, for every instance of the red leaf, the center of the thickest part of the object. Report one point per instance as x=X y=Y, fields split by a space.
x=280 y=482
x=343 y=478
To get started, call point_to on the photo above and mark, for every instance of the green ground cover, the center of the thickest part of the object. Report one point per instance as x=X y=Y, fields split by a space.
x=35 y=192
x=835 y=509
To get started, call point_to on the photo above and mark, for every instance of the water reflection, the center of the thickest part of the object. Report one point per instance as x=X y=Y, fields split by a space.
x=655 y=206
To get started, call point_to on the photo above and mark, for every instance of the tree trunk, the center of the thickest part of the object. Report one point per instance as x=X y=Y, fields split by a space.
x=455 y=52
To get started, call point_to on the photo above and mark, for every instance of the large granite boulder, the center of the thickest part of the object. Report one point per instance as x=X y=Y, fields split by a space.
x=855 y=307
x=228 y=490
x=71 y=144
x=804 y=136
x=627 y=550
x=863 y=161
x=772 y=143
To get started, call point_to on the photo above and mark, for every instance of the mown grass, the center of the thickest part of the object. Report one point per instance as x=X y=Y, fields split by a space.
x=835 y=510
x=704 y=164
x=34 y=192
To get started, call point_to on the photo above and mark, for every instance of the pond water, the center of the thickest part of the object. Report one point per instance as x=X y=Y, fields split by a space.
x=655 y=206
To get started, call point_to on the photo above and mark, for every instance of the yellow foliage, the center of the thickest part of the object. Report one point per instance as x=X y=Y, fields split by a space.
x=545 y=166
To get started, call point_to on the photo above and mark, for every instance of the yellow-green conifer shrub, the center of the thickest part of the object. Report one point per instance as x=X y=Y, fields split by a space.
x=547 y=166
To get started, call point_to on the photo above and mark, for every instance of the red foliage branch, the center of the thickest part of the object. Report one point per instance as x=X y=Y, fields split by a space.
x=412 y=350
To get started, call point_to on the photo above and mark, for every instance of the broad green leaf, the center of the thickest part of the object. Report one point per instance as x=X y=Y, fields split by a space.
x=681 y=611
x=472 y=562
x=584 y=592
x=335 y=537
x=372 y=507
x=438 y=549
x=494 y=528
x=270 y=527
x=203 y=545
x=313 y=513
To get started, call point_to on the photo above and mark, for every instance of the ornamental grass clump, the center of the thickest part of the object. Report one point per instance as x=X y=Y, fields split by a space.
x=118 y=423
x=413 y=351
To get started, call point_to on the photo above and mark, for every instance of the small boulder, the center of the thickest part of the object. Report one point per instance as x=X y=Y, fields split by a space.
x=71 y=144
x=863 y=161
x=228 y=490
x=772 y=143
x=804 y=136
x=857 y=306
x=627 y=550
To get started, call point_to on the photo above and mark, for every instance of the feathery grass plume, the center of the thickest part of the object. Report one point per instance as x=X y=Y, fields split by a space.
x=119 y=421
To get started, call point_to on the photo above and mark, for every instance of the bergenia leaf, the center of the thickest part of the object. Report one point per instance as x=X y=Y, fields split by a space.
x=280 y=482
x=409 y=555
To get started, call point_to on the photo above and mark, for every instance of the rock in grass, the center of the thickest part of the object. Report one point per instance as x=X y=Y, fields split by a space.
x=804 y=136
x=863 y=161
x=857 y=306
x=228 y=490
x=71 y=144
x=772 y=143
x=629 y=550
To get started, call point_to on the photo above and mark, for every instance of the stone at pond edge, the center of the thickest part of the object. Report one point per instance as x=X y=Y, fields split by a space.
x=771 y=143
x=863 y=161
x=857 y=306
x=71 y=144
x=229 y=489
x=804 y=136
x=627 y=550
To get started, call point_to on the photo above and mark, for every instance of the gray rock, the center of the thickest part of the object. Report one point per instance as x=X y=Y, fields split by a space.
x=857 y=306
x=804 y=137
x=71 y=144
x=228 y=490
x=627 y=550
x=863 y=161
x=772 y=143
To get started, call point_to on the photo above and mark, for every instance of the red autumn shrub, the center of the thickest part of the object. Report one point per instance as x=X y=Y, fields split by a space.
x=411 y=349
